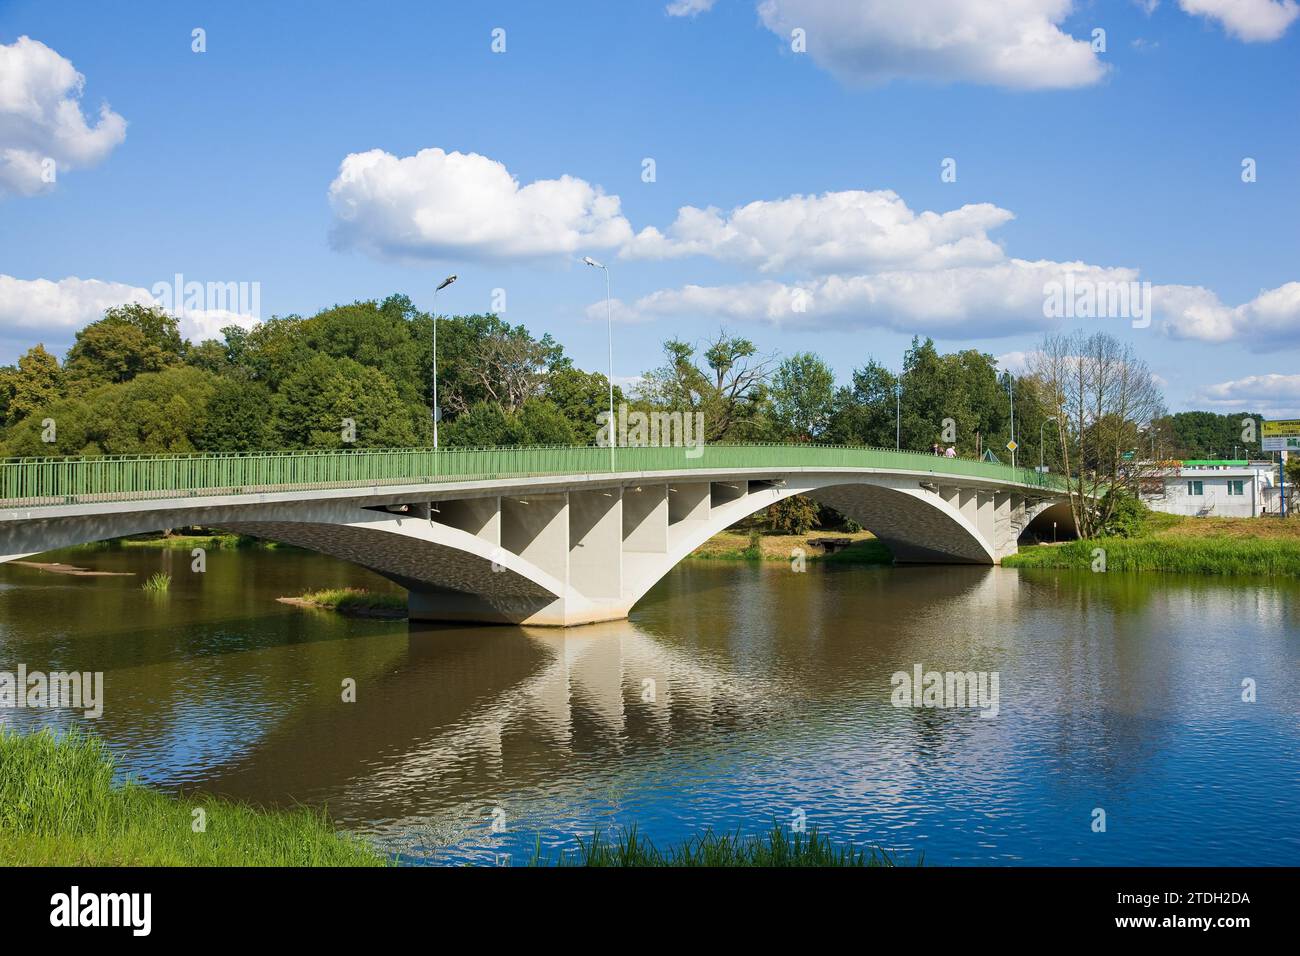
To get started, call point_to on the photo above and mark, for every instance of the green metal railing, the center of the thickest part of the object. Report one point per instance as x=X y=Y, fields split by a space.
x=33 y=482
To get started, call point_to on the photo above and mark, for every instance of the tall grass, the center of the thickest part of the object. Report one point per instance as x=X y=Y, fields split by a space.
x=158 y=582
x=355 y=599
x=776 y=849
x=60 y=807
x=1187 y=555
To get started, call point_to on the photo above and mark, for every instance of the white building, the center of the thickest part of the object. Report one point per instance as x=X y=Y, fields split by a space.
x=1233 y=489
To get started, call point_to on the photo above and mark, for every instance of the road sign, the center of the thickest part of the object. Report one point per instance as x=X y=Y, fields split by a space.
x=1281 y=435
x=1011 y=445
x=1282 y=428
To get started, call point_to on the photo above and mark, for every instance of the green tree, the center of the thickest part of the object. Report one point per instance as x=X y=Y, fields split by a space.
x=864 y=412
x=730 y=389
x=796 y=514
x=239 y=418
x=315 y=404
x=580 y=397
x=153 y=413
x=803 y=396
x=129 y=340
x=32 y=385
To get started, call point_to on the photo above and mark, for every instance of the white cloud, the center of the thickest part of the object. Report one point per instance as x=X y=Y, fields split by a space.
x=439 y=205
x=689 y=8
x=60 y=308
x=990 y=300
x=1269 y=320
x=1010 y=43
x=836 y=231
x=41 y=122
x=1253 y=21
x=1015 y=362
x=1274 y=395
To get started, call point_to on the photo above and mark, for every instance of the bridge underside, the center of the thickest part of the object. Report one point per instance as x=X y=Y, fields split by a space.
x=561 y=554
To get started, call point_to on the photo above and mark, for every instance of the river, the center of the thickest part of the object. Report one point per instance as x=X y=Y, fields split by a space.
x=736 y=695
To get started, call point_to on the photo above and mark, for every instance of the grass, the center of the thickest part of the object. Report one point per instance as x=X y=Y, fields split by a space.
x=158 y=582
x=60 y=807
x=755 y=546
x=1177 y=544
x=354 y=599
x=776 y=849
x=216 y=540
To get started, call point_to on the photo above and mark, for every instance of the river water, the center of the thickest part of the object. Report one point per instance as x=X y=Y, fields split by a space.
x=737 y=695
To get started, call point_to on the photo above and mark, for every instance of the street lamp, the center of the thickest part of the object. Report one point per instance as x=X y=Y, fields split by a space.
x=609 y=326
x=436 y=413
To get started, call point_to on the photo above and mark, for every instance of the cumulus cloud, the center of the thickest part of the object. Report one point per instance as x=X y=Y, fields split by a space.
x=1269 y=320
x=60 y=308
x=1275 y=395
x=1010 y=43
x=1015 y=362
x=1253 y=21
x=833 y=232
x=42 y=130
x=990 y=300
x=440 y=205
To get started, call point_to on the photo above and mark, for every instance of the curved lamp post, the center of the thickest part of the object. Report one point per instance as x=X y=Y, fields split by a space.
x=609 y=326
x=436 y=414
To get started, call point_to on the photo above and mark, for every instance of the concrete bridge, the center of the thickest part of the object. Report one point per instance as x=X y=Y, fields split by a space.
x=546 y=536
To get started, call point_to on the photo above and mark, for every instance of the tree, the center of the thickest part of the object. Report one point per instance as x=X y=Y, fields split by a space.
x=128 y=341
x=1209 y=435
x=153 y=413
x=32 y=385
x=796 y=514
x=730 y=390
x=864 y=412
x=803 y=396
x=239 y=418
x=1103 y=398
x=318 y=405
x=580 y=397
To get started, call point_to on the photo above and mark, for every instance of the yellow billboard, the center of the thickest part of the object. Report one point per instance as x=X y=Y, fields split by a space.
x=1284 y=428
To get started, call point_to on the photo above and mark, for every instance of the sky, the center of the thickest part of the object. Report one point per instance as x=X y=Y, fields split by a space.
x=815 y=175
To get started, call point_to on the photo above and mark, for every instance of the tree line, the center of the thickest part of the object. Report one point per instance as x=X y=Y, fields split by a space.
x=131 y=384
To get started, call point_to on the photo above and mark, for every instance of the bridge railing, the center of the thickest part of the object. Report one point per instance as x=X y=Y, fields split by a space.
x=34 y=482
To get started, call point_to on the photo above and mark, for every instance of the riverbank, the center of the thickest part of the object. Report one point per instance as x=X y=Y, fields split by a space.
x=214 y=541
x=864 y=548
x=59 y=806
x=1175 y=544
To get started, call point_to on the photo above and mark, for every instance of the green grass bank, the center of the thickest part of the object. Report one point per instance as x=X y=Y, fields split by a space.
x=1178 y=545
x=59 y=806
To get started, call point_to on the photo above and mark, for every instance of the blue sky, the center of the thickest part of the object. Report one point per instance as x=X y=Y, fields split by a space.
x=1127 y=159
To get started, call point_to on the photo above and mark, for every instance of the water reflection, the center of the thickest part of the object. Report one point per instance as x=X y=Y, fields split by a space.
x=736 y=695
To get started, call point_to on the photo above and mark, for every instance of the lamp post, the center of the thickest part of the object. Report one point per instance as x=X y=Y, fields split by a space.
x=609 y=327
x=437 y=414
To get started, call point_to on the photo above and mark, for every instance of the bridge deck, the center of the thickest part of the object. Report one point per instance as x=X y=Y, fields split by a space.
x=34 y=482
